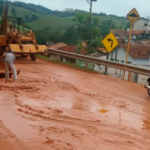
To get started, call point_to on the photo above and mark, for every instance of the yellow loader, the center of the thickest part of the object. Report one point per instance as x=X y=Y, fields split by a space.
x=20 y=42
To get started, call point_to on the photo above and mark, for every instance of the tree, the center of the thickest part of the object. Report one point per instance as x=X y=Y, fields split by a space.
x=106 y=26
x=71 y=36
x=89 y=30
x=1 y=6
x=120 y=27
x=127 y=26
x=34 y=18
x=13 y=11
x=26 y=18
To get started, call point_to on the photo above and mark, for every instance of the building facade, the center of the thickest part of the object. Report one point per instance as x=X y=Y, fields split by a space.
x=142 y=24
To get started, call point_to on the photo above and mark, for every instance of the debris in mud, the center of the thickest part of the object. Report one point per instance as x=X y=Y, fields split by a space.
x=49 y=141
x=103 y=111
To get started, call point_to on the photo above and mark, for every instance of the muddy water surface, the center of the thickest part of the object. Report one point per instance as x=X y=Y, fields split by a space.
x=56 y=107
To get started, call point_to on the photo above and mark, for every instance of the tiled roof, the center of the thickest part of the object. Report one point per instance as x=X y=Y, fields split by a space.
x=124 y=32
x=137 y=32
x=138 y=50
x=120 y=32
x=58 y=45
x=67 y=48
x=101 y=49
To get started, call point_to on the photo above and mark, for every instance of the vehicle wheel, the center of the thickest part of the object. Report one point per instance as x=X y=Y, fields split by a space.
x=148 y=91
x=33 y=57
x=24 y=56
x=1 y=51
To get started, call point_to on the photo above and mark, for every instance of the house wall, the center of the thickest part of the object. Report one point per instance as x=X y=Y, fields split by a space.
x=140 y=25
x=133 y=37
x=119 y=54
x=141 y=62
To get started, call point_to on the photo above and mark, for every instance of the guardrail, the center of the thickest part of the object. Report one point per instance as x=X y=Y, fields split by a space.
x=125 y=67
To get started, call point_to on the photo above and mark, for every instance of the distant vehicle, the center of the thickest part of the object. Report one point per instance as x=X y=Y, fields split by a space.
x=148 y=86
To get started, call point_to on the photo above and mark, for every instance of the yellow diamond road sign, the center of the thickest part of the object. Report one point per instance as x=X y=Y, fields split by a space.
x=133 y=15
x=110 y=42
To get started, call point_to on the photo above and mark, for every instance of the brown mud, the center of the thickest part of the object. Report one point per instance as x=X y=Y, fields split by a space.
x=54 y=107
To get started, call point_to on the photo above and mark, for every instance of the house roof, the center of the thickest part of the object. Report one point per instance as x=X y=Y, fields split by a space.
x=101 y=49
x=120 y=32
x=126 y=33
x=137 y=50
x=68 y=48
x=137 y=32
x=146 y=42
x=58 y=45
x=143 y=18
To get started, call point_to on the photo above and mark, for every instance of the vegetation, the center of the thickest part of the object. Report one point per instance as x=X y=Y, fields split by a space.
x=71 y=36
x=1 y=6
x=76 y=66
x=65 y=25
x=89 y=31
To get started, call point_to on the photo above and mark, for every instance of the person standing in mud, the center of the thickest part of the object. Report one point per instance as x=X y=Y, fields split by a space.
x=9 y=58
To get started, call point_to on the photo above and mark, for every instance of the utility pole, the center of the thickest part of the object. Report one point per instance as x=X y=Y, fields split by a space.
x=90 y=2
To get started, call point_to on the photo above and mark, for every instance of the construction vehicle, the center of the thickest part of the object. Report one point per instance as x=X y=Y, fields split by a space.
x=19 y=42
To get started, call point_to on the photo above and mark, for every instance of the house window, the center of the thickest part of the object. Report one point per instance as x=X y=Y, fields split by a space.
x=128 y=62
x=122 y=61
x=116 y=55
x=111 y=59
x=146 y=24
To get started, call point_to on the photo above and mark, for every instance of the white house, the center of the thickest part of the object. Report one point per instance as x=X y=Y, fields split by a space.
x=142 y=24
x=138 y=54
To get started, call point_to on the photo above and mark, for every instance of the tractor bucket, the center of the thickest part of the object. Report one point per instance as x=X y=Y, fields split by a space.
x=27 y=48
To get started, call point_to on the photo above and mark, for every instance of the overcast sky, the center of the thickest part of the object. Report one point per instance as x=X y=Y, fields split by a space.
x=116 y=7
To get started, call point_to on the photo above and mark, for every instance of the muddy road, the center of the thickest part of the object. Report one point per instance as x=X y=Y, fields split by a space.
x=54 y=107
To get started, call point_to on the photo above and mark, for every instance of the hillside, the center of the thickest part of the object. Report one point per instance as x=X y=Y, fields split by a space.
x=49 y=21
x=53 y=25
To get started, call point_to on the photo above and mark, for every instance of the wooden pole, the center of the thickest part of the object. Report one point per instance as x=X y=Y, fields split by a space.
x=129 y=43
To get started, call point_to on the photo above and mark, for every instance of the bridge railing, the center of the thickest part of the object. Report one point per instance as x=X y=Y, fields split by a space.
x=121 y=66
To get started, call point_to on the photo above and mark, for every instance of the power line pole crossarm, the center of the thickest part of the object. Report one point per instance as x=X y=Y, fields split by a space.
x=90 y=2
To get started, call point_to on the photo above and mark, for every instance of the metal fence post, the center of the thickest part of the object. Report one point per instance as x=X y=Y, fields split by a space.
x=130 y=77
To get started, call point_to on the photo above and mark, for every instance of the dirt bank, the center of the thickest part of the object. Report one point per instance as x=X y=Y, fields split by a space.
x=56 y=107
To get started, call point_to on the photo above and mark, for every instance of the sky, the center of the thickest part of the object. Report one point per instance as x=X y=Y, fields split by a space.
x=116 y=7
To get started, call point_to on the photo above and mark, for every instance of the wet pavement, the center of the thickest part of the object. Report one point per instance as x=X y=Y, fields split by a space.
x=60 y=108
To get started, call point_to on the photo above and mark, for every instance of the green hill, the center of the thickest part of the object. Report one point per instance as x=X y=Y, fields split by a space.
x=50 y=24
x=43 y=21
x=55 y=22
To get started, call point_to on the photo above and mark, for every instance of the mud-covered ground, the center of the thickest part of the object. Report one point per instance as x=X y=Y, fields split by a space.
x=55 y=107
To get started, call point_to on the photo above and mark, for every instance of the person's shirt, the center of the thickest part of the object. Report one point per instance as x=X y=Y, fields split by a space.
x=9 y=58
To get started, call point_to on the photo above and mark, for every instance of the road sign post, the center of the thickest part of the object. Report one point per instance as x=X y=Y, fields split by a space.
x=129 y=43
x=133 y=16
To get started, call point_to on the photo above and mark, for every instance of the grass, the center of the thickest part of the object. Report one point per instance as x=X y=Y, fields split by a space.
x=67 y=64
x=22 y=12
x=51 y=22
